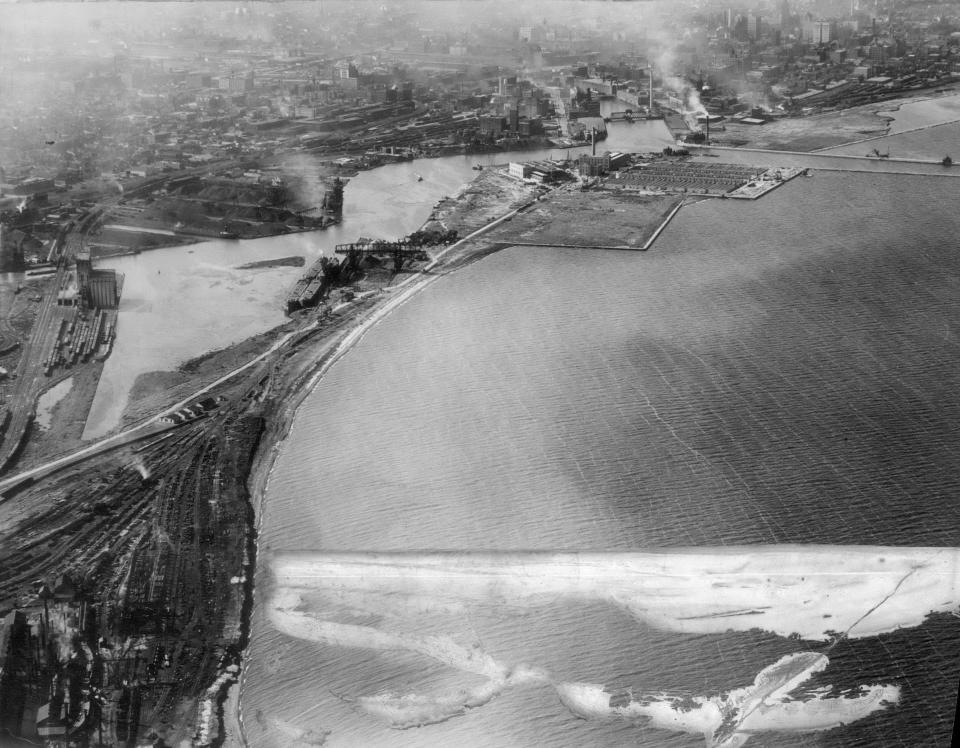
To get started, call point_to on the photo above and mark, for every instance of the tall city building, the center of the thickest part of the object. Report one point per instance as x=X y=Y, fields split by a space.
x=817 y=32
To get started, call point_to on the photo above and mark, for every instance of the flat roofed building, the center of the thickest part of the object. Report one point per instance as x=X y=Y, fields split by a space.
x=546 y=171
x=519 y=169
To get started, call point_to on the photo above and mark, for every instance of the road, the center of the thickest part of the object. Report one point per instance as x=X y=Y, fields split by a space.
x=150 y=427
x=139 y=229
x=153 y=425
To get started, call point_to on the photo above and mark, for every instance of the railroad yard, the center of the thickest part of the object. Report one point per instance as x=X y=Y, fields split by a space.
x=127 y=568
x=138 y=555
x=145 y=552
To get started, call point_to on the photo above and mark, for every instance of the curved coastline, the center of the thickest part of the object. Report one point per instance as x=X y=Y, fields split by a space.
x=293 y=396
x=286 y=407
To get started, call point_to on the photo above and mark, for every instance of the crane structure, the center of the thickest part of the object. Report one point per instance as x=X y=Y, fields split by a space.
x=400 y=250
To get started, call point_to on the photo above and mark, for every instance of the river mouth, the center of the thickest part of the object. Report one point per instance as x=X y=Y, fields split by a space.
x=182 y=302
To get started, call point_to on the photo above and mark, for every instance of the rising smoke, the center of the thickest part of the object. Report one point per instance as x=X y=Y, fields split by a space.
x=665 y=65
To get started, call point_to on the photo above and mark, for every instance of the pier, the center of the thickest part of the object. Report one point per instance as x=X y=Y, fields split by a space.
x=662 y=226
x=826 y=161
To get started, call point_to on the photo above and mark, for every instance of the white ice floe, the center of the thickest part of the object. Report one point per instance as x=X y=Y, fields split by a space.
x=410 y=709
x=417 y=710
x=440 y=648
x=295 y=736
x=728 y=720
x=813 y=592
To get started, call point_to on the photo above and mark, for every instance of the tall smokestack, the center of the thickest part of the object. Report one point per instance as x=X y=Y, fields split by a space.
x=593 y=140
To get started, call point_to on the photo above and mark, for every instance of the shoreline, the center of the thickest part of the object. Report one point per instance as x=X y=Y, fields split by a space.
x=280 y=418
x=298 y=364
x=188 y=240
x=824 y=131
x=258 y=400
x=280 y=422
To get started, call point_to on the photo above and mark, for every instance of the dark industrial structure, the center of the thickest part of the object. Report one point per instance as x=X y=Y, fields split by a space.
x=97 y=289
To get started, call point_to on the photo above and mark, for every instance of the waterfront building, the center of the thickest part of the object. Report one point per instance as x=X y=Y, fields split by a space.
x=519 y=169
x=103 y=289
x=492 y=125
x=593 y=166
x=94 y=288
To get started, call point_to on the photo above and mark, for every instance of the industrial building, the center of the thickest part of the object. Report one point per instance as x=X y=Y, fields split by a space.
x=33 y=186
x=97 y=289
x=595 y=166
x=519 y=169
x=587 y=128
x=546 y=172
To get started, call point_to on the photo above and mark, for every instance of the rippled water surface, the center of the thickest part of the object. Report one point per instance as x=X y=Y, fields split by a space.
x=777 y=371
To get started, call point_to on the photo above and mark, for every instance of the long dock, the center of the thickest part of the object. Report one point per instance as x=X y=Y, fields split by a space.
x=662 y=226
x=827 y=161
x=556 y=245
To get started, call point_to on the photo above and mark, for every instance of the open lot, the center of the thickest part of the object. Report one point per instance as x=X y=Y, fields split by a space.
x=568 y=217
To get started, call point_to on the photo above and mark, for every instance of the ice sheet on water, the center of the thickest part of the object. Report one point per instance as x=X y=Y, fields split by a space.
x=810 y=592
x=725 y=720
x=728 y=720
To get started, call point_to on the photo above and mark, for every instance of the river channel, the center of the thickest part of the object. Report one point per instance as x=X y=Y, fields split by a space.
x=181 y=302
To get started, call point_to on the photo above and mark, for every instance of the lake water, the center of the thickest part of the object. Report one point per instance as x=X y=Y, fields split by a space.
x=778 y=371
x=929 y=112
x=940 y=119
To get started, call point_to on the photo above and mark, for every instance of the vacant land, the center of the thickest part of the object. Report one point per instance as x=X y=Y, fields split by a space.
x=570 y=217
x=806 y=133
x=835 y=128
x=480 y=202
